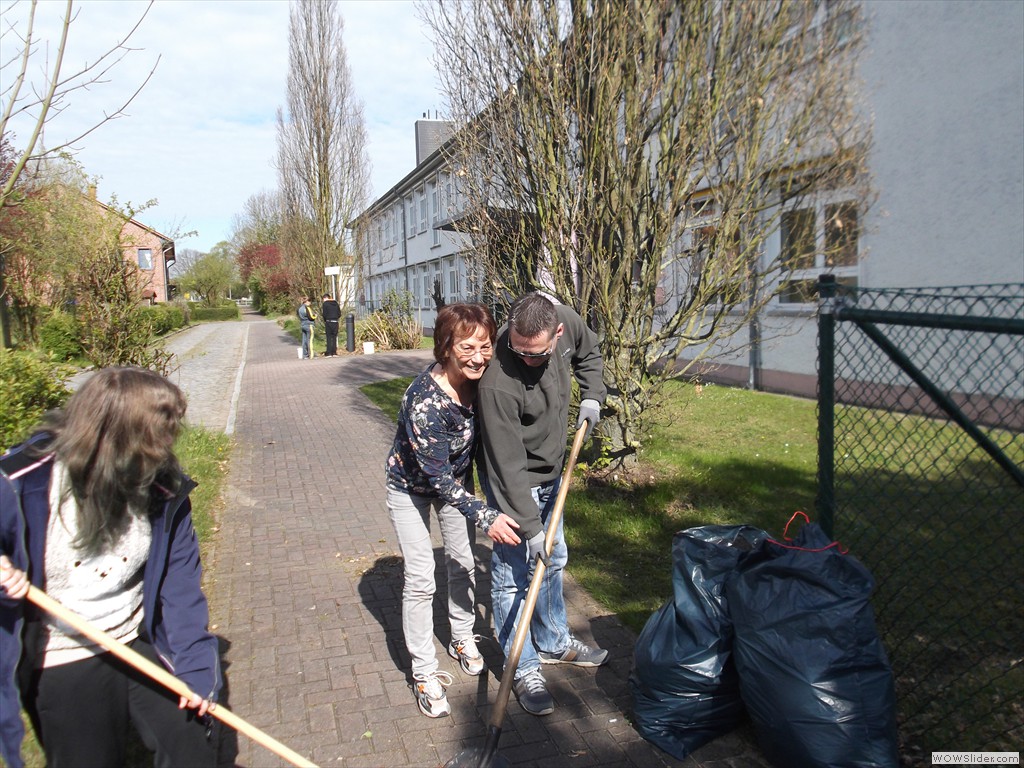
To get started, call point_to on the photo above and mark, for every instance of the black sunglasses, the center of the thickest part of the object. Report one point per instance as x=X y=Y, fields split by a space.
x=530 y=355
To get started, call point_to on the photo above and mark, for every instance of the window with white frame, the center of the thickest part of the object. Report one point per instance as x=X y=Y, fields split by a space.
x=435 y=213
x=818 y=238
x=436 y=278
x=421 y=193
x=452 y=268
x=410 y=217
x=425 y=293
x=145 y=258
x=474 y=276
x=446 y=195
x=702 y=224
x=700 y=227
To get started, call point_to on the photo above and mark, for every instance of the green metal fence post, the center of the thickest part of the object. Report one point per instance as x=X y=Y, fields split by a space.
x=825 y=501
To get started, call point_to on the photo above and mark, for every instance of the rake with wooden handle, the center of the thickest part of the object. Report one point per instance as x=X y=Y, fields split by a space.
x=160 y=674
x=488 y=756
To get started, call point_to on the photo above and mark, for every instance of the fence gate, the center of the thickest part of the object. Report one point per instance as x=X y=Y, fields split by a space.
x=921 y=474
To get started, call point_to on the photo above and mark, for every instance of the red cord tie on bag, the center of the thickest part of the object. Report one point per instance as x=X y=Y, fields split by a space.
x=785 y=535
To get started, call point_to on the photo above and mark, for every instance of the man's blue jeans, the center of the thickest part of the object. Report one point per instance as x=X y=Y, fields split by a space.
x=307 y=338
x=511 y=572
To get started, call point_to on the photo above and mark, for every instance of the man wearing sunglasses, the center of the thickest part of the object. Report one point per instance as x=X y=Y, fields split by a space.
x=523 y=405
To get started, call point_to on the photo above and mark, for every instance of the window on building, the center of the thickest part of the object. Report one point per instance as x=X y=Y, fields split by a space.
x=446 y=195
x=422 y=194
x=145 y=258
x=426 y=293
x=819 y=239
x=454 y=289
x=410 y=218
x=474 y=278
x=702 y=224
x=435 y=213
x=436 y=278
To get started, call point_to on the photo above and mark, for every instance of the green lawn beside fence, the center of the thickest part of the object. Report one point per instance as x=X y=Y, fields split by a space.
x=937 y=524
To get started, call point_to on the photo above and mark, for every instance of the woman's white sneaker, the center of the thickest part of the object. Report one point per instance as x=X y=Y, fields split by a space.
x=430 y=695
x=467 y=654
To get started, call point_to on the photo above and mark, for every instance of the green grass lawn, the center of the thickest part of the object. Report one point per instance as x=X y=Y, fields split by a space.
x=725 y=456
x=718 y=457
x=204 y=456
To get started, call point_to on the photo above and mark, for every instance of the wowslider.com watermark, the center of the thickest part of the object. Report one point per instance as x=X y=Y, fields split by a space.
x=975 y=758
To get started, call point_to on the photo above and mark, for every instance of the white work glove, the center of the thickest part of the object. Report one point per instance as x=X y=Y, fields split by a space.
x=535 y=549
x=590 y=412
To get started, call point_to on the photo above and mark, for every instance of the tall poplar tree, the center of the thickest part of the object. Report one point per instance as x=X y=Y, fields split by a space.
x=321 y=135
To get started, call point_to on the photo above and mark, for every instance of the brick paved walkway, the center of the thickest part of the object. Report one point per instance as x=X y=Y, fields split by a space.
x=305 y=589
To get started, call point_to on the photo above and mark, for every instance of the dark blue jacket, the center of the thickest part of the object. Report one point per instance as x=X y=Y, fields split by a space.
x=175 y=612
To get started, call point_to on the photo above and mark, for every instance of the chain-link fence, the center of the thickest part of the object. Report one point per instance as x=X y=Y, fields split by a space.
x=921 y=474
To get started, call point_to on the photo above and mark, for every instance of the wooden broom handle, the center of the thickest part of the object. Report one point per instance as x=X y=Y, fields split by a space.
x=161 y=675
x=526 y=611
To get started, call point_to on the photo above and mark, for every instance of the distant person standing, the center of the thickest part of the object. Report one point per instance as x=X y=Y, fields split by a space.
x=307 y=319
x=331 y=313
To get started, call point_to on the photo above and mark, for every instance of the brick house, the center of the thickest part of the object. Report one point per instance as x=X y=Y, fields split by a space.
x=152 y=252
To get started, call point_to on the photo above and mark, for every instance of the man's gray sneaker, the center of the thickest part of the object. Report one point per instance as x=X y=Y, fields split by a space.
x=532 y=692
x=577 y=654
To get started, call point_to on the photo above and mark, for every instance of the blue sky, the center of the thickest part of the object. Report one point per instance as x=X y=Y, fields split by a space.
x=200 y=137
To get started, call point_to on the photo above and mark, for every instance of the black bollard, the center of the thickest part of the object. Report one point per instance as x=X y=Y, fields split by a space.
x=350 y=332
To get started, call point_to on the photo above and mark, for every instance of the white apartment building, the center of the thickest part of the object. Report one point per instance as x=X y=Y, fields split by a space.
x=944 y=87
x=400 y=239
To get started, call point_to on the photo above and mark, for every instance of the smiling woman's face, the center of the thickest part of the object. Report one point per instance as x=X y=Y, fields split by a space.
x=470 y=354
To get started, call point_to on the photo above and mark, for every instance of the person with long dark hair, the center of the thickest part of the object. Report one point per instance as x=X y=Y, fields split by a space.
x=428 y=469
x=94 y=509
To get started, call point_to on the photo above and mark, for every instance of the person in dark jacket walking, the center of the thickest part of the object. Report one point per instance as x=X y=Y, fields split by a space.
x=331 y=313
x=95 y=510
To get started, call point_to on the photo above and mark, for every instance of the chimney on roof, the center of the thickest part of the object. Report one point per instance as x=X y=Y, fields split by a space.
x=92 y=191
x=430 y=135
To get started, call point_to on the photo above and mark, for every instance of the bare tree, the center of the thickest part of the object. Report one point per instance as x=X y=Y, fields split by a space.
x=43 y=100
x=322 y=159
x=635 y=159
x=184 y=259
x=260 y=221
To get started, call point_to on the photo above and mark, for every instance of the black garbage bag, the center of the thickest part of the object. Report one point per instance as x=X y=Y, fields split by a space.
x=684 y=684
x=814 y=676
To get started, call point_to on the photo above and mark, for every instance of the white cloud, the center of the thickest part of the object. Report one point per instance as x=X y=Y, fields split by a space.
x=200 y=137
